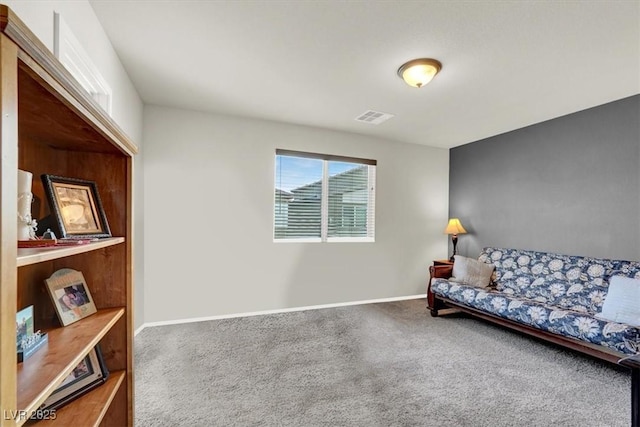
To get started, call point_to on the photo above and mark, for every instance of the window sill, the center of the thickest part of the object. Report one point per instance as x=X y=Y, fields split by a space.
x=329 y=240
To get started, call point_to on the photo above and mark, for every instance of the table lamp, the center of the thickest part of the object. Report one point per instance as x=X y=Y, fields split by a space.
x=454 y=228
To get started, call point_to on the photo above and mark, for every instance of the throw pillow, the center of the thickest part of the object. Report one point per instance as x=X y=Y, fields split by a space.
x=471 y=272
x=622 y=303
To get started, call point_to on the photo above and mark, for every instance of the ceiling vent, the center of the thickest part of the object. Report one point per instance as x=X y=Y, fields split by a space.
x=373 y=117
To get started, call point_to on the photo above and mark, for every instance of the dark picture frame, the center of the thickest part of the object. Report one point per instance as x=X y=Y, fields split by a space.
x=76 y=208
x=90 y=373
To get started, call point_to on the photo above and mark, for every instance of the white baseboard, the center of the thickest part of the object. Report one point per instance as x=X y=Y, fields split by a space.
x=283 y=310
x=137 y=331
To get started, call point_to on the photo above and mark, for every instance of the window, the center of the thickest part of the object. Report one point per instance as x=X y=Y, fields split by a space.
x=323 y=198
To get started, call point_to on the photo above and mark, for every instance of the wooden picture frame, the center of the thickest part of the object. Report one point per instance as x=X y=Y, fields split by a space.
x=70 y=295
x=76 y=208
x=87 y=375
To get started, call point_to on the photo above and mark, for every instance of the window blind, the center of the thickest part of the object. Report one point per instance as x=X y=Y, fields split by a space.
x=323 y=197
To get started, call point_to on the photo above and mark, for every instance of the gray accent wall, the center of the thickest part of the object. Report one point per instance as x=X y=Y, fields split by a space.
x=569 y=185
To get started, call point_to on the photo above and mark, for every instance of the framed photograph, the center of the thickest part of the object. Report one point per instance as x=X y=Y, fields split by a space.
x=89 y=374
x=70 y=295
x=76 y=208
x=24 y=325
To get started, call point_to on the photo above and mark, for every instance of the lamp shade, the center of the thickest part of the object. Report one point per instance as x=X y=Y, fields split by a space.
x=454 y=227
x=419 y=72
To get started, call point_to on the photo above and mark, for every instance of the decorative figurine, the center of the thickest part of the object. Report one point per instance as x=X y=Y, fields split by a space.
x=27 y=226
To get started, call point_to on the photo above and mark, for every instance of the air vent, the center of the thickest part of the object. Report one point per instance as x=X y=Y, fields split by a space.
x=373 y=117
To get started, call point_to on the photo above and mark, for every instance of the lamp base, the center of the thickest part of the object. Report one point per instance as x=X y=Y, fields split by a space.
x=454 y=239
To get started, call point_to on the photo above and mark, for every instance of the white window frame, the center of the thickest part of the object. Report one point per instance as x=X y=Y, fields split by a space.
x=324 y=204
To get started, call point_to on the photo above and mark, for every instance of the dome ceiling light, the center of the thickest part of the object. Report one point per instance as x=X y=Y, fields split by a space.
x=419 y=72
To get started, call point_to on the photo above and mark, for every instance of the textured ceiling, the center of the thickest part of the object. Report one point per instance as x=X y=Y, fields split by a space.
x=506 y=64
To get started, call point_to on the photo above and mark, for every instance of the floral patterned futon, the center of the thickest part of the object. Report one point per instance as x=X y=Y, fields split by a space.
x=560 y=294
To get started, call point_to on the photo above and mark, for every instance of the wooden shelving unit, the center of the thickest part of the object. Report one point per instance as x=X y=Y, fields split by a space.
x=50 y=125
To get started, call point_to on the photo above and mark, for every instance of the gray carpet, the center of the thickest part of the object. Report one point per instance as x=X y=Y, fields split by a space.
x=387 y=364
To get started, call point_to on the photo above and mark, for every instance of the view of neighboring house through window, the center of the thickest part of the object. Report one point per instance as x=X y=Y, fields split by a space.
x=323 y=197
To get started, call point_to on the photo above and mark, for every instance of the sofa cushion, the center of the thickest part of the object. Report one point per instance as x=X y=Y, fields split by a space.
x=622 y=303
x=471 y=272
x=570 y=282
x=583 y=326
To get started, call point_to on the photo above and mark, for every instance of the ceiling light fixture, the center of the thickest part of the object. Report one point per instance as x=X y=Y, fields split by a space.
x=419 y=72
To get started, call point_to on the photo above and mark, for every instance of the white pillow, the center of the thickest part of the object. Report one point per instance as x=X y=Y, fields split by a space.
x=471 y=272
x=622 y=303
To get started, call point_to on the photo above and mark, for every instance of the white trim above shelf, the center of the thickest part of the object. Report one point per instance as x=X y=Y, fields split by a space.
x=68 y=49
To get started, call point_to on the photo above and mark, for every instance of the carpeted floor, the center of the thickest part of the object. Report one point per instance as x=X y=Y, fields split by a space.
x=387 y=364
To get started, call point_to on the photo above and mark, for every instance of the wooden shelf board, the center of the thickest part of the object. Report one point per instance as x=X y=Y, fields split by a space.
x=89 y=409
x=28 y=256
x=43 y=372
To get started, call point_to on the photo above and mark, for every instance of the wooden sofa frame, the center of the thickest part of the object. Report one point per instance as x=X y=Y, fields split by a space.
x=435 y=303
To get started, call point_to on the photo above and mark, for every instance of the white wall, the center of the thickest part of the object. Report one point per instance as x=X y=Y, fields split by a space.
x=126 y=104
x=208 y=199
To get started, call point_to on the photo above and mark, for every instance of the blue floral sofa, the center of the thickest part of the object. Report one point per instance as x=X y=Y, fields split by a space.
x=551 y=296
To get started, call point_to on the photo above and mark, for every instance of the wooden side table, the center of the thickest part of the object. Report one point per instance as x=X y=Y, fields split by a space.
x=440 y=268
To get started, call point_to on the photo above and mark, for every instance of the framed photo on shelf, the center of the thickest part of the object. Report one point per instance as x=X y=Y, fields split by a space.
x=87 y=375
x=24 y=325
x=70 y=295
x=28 y=341
x=76 y=209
